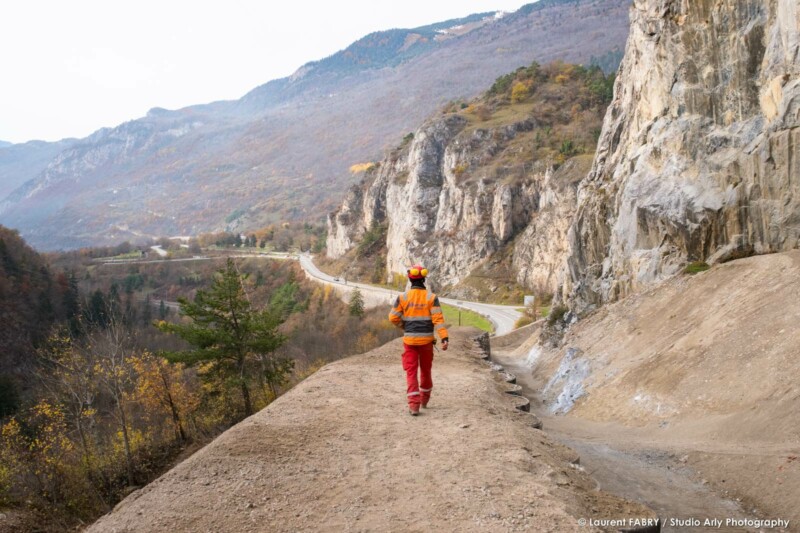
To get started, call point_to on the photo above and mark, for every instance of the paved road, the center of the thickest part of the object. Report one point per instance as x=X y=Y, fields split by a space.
x=159 y=250
x=307 y=263
x=503 y=317
x=266 y=255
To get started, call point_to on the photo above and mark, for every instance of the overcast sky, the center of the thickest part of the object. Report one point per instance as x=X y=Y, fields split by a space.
x=71 y=67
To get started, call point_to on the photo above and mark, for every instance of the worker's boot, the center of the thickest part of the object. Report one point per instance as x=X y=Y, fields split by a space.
x=413 y=411
x=425 y=405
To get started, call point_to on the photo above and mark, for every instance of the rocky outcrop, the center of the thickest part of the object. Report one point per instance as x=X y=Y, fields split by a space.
x=444 y=204
x=698 y=158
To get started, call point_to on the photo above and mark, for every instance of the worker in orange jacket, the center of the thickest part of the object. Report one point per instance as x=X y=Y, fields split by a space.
x=417 y=311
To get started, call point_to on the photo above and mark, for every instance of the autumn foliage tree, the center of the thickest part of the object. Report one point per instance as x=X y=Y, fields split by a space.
x=520 y=91
x=104 y=414
x=113 y=352
x=164 y=387
x=361 y=167
x=69 y=374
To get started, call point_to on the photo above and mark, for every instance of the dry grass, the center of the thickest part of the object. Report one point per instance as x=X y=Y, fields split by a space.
x=505 y=115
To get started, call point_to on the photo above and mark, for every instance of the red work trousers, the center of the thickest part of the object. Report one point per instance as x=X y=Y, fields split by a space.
x=418 y=359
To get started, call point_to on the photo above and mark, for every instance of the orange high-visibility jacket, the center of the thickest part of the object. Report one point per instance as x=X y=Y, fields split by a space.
x=419 y=313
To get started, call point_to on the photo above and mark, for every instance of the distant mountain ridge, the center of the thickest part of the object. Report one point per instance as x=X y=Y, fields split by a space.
x=23 y=162
x=381 y=49
x=282 y=151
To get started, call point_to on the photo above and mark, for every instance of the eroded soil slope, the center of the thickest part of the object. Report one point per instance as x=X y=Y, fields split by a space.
x=704 y=367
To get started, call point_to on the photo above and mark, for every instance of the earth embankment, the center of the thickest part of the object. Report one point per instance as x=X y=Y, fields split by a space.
x=701 y=370
x=340 y=452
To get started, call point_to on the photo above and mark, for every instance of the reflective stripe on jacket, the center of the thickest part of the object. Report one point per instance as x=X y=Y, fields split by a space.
x=419 y=313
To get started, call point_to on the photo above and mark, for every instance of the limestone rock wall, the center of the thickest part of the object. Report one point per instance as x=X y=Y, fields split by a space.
x=698 y=158
x=451 y=223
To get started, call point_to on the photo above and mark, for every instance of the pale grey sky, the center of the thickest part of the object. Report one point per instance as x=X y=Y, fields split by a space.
x=72 y=67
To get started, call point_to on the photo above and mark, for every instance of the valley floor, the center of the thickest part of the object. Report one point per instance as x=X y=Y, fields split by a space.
x=340 y=453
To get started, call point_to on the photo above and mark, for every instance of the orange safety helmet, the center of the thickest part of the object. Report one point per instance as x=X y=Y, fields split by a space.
x=417 y=272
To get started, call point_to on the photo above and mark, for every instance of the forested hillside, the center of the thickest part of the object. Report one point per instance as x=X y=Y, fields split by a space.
x=104 y=382
x=32 y=299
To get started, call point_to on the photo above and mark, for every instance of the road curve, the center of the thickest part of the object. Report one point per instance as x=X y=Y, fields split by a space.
x=503 y=317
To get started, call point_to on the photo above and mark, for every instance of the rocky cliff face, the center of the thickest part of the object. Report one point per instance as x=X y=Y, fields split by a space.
x=698 y=158
x=452 y=222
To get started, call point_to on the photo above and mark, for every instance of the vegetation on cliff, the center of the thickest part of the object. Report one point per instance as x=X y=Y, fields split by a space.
x=564 y=104
x=492 y=166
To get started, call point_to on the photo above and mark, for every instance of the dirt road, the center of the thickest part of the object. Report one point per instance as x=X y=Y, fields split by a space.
x=339 y=452
x=627 y=463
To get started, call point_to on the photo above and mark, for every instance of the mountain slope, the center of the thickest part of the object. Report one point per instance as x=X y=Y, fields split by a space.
x=378 y=50
x=31 y=301
x=20 y=163
x=282 y=150
x=494 y=182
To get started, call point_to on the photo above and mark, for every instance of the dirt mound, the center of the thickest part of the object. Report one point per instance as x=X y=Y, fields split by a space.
x=340 y=452
x=706 y=367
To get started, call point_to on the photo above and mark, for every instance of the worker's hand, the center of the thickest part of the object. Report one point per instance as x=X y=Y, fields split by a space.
x=445 y=344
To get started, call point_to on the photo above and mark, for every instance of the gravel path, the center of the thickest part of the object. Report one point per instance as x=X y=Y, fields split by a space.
x=340 y=453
